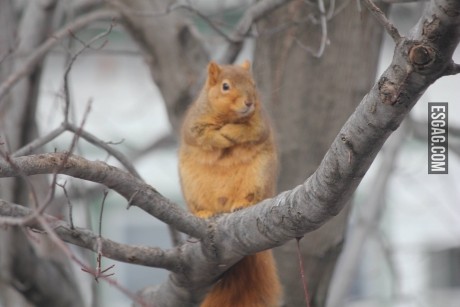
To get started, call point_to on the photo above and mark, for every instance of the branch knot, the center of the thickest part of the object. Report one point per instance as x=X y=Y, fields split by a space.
x=421 y=56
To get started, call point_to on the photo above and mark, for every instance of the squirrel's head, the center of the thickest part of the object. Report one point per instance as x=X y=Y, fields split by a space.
x=231 y=90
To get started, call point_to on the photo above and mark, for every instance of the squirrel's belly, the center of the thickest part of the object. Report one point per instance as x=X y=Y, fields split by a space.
x=218 y=188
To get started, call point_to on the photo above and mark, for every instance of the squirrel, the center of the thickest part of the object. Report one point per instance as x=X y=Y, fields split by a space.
x=228 y=161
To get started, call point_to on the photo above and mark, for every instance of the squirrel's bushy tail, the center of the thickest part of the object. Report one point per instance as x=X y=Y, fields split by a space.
x=252 y=282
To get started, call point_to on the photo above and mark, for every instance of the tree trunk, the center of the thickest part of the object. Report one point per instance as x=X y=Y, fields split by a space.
x=174 y=54
x=333 y=85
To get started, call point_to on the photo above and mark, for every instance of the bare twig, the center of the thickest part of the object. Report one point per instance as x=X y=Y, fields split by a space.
x=211 y=23
x=166 y=140
x=99 y=143
x=322 y=46
x=100 y=273
x=106 y=192
x=331 y=10
x=169 y=9
x=130 y=200
x=252 y=15
x=69 y=203
x=382 y=19
x=30 y=62
x=86 y=45
x=37 y=143
x=302 y=273
x=78 y=131
x=51 y=192
x=338 y=9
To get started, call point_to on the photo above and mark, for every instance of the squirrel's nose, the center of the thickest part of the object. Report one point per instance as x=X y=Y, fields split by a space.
x=248 y=103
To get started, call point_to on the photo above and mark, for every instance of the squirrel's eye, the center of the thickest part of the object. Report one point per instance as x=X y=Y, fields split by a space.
x=225 y=86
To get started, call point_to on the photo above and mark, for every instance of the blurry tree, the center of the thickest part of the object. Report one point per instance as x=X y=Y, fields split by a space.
x=313 y=62
x=38 y=272
x=313 y=75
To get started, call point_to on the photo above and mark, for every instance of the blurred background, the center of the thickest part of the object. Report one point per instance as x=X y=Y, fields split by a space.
x=401 y=246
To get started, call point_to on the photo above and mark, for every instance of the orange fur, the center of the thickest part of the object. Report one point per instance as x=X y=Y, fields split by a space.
x=227 y=161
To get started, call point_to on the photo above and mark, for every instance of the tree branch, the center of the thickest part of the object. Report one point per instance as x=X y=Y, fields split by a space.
x=39 y=142
x=142 y=255
x=453 y=69
x=380 y=16
x=131 y=188
x=252 y=15
x=109 y=149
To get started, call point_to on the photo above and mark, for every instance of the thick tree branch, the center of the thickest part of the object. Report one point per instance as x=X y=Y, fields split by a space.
x=142 y=255
x=133 y=189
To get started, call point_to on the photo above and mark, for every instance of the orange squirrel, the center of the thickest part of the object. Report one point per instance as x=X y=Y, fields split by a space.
x=228 y=161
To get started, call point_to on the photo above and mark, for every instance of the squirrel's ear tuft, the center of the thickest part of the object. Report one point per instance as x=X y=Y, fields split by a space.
x=246 y=65
x=213 y=73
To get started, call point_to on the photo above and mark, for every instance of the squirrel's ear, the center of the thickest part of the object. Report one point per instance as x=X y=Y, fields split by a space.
x=246 y=65
x=213 y=73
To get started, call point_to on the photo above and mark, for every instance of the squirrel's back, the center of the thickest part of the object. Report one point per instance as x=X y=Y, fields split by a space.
x=228 y=161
